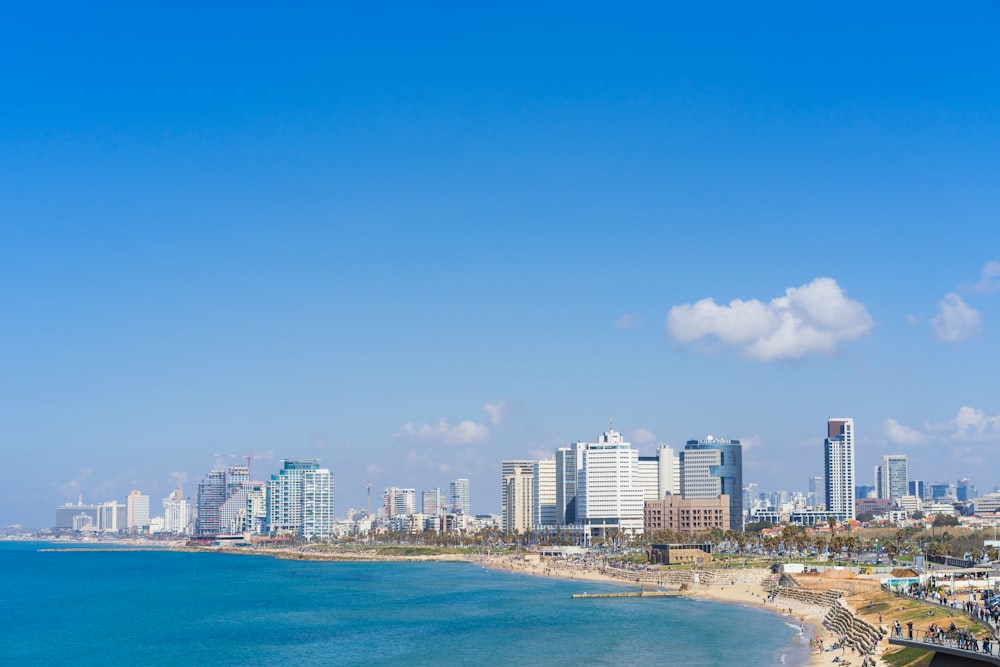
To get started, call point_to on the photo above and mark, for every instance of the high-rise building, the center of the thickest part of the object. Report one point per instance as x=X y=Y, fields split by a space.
x=568 y=461
x=964 y=491
x=838 y=467
x=458 y=497
x=399 y=502
x=609 y=497
x=517 y=495
x=300 y=500
x=545 y=493
x=918 y=488
x=211 y=496
x=659 y=475
x=176 y=512
x=256 y=512
x=891 y=478
x=138 y=509
x=432 y=503
x=711 y=468
x=816 y=495
x=519 y=498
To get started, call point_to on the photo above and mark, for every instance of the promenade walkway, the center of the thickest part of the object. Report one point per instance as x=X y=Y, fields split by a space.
x=963 y=645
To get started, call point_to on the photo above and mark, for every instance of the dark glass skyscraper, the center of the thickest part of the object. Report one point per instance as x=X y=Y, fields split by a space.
x=712 y=467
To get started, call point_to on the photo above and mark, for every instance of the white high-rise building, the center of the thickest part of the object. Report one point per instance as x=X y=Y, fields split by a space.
x=838 y=468
x=458 y=497
x=891 y=480
x=517 y=496
x=138 y=509
x=300 y=500
x=399 y=502
x=659 y=475
x=519 y=499
x=112 y=517
x=609 y=495
x=176 y=512
x=545 y=493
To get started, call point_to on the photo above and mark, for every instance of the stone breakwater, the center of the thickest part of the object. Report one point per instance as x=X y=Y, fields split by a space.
x=862 y=636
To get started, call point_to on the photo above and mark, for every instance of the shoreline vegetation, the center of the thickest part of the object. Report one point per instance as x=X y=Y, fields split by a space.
x=857 y=602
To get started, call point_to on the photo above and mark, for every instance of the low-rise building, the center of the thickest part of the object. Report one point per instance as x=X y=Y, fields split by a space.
x=687 y=515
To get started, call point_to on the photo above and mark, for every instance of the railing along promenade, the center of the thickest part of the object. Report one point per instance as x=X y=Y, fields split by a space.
x=958 y=643
x=938 y=604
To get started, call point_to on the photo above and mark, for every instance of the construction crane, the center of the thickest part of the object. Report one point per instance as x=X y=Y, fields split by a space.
x=248 y=456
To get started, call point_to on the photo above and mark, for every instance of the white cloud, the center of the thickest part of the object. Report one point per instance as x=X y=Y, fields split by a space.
x=463 y=433
x=643 y=436
x=970 y=422
x=989 y=280
x=628 y=321
x=750 y=443
x=956 y=320
x=970 y=425
x=902 y=435
x=808 y=320
x=497 y=412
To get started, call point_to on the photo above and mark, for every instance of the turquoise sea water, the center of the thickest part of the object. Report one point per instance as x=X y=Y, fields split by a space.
x=130 y=608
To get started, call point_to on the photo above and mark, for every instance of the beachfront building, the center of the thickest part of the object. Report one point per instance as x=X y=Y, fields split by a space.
x=176 y=512
x=300 y=500
x=711 y=468
x=609 y=497
x=518 y=496
x=545 y=493
x=458 y=497
x=686 y=515
x=211 y=496
x=138 y=510
x=890 y=477
x=112 y=517
x=568 y=462
x=838 y=468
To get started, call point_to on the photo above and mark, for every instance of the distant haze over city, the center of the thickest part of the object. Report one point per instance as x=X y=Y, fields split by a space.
x=410 y=244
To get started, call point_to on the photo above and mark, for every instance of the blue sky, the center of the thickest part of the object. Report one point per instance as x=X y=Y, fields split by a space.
x=415 y=242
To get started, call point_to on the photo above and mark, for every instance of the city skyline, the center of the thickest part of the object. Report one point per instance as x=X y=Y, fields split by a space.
x=411 y=244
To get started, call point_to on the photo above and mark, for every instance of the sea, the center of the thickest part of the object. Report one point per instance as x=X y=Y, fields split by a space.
x=136 y=607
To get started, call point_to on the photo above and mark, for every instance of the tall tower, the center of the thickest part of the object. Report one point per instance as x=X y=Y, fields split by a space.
x=711 y=468
x=545 y=493
x=568 y=462
x=609 y=496
x=892 y=477
x=458 y=496
x=300 y=500
x=518 y=495
x=211 y=496
x=138 y=509
x=838 y=467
